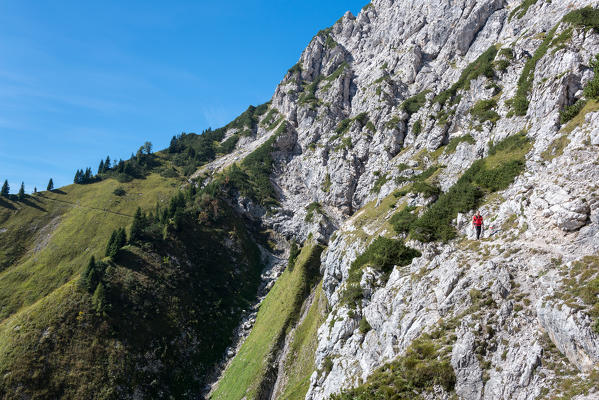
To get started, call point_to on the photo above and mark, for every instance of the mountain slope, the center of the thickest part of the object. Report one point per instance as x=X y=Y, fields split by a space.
x=389 y=109
x=392 y=129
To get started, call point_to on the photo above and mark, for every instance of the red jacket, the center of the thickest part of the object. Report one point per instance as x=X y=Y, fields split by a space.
x=477 y=220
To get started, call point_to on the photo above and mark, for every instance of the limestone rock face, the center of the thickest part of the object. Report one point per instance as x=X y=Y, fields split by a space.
x=352 y=142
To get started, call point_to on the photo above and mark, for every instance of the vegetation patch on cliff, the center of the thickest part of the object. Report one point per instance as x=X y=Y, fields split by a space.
x=382 y=255
x=482 y=66
x=496 y=172
x=424 y=365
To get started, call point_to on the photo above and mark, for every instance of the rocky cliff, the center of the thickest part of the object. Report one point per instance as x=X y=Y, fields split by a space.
x=410 y=108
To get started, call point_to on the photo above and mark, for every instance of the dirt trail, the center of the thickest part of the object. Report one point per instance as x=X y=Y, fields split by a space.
x=87 y=207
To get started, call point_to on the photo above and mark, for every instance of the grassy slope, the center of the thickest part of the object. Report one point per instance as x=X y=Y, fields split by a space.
x=37 y=261
x=278 y=312
x=173 y=306
x=299 y=364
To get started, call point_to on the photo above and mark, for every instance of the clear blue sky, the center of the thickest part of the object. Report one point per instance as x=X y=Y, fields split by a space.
x=80 y=80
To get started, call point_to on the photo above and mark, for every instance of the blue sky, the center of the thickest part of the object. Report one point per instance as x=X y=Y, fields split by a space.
x=81 y=80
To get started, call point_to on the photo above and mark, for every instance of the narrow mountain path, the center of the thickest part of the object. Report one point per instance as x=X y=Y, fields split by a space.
x=88 y=207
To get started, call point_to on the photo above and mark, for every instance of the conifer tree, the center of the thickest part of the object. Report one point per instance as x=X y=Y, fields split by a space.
x=111 y=248
x=35 y=190
x=137 y=226
x=50 y=185
x=99 y=300
x=101 y=167
x=88 y=277
x=121 y=237
x=22 y=191
x=147 y=147
x=173 y=146
x=107 y=164
x=5 y=189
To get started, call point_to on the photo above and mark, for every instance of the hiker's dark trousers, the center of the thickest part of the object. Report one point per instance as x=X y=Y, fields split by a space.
x=478 y=229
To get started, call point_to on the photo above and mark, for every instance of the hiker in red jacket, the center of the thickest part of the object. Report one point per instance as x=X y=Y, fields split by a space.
x=477 y=223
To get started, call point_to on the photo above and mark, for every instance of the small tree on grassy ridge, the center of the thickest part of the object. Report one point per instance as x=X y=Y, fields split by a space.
x=50 y=186
x=92 y=275
x=117 y=240
x=22 y=191
x=5 y=189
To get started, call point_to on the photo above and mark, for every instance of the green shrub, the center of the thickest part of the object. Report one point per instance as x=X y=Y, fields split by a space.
x=311 y=209
x=326 y=185
x=364 y=326
x=501 y=177
x=120 y=191
x=414 y=103
x=337 y=73
x=426 y=189
x=370 y=126
x=402 y=167
x=482 y=66
x=435 y=223
x=591 y=90
x=343 y=126
x=483 y=111
x=505 y=162
x=362 y=118
x=249 y=118
x=382 y=255
x=417 y=128
x=454 y=143
x=424 y=175
x=521 y=10
x=378 y=184
x=510 y=144
x=570 y=112
x=502 y=65
x=296 y=69
x=419 y=370
x=252 y=178
x=294 y=251
x=393 y=122
x=587 y=17
x=507 y=52
x=520 y=101
x=402 y=221
x=308 y=96
x=269 y=118
x=228 y=145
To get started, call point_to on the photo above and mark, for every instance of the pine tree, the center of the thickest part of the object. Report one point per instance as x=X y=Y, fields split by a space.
x=147 y=147
x=99 y=300
x=50 y=185
x=174 y=145
x=5 y=189
x=121 y=237
x=77 y=178
x=88 y=175
x=111 y=247
x=35 y=190
x=107 y=164
x=117 y=240
x=22 y=191
x=101 y=167
x=137 y=226
x=88 y=277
